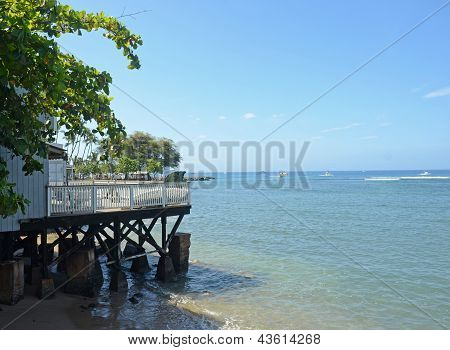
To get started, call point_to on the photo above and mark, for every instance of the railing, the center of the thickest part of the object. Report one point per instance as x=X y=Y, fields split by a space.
x=79 y=199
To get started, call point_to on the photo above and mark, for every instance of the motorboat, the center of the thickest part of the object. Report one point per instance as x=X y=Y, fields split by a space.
x=327 y=174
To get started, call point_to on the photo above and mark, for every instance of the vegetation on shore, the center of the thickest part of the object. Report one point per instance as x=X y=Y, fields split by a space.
x=139 y=152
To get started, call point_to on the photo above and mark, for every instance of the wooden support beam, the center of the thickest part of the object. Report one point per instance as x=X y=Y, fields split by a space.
x=44 y=253
x=174 y=229
x=141 y=241
x=148 y=238
x=130 y=228
x=104 y=234
x=104 y=246
x=63 y=236
x=31 y=225
x=164 y=233
x=152 y=224
x=60 y=239
x=116 y=252
x=34 y=249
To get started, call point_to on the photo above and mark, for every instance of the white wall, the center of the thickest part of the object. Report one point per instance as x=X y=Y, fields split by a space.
x=57 y=172
x=33 y=187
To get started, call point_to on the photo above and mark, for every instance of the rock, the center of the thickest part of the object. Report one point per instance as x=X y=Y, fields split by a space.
x=138 y=295
x=133 y=300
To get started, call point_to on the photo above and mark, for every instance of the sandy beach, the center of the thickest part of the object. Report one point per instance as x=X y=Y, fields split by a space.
x=108 y=310
x=61 y=311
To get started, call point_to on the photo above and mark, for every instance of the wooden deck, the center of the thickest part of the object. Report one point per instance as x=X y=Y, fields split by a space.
x=84 y=199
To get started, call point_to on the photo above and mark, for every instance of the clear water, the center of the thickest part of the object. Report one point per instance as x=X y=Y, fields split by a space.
x=347 y=253
x=344 y=254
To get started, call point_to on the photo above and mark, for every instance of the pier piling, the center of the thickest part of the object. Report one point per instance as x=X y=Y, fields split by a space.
x=118 y=281
x=11 y=281
x=165 y=271
x=140 y=264
x=80 y=267
x=179 y=251
x=46 y=288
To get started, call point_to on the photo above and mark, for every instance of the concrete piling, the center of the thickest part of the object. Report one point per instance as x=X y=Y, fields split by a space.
x=165 y=271
x=140 y=265
x=46 y=288
x=179 y=251
x=33 y=274
x=80 y=267
x=63 y=248
x=118 y=281
x=11 y=281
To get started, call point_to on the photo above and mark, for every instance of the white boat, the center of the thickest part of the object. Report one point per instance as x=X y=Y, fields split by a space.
x=425 y=173
x=327 y=174
x=282 y=173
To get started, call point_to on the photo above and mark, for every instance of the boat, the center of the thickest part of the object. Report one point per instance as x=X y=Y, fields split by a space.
x=282 y=173
x=327 y=174
x=425 y=173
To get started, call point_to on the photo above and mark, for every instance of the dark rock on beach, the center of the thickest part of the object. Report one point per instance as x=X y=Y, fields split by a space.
x=133 y=300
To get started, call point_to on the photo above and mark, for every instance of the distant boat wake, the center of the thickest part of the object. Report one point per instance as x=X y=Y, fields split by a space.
x=407 y=178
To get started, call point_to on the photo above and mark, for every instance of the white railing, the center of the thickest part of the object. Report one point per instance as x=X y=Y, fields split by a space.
x=79 y=199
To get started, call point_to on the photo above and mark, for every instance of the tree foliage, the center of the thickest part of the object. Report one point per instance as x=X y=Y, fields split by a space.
x=127 y=165
x=143 y=146
x=37 y=78
x=154 y=167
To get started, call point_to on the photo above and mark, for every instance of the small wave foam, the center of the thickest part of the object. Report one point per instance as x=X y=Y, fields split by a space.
x=407 y=178
x=425 y=177
x=382 y=178
x=208 y=317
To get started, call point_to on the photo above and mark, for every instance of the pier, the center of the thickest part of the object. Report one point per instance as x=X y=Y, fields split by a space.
x=93 y=220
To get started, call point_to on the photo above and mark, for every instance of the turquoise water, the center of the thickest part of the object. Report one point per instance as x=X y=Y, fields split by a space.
x=346 y=253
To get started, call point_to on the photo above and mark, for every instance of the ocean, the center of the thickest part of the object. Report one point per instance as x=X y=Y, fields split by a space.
x=346 y=252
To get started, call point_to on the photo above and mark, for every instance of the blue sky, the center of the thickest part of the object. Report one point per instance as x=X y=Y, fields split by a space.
x=235 y=70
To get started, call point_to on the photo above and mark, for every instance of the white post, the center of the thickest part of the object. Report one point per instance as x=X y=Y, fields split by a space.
x=71 y=199
x=49 y=201
x=94 y=199
x=164 y=194
x=131 y=197
x=188 y=185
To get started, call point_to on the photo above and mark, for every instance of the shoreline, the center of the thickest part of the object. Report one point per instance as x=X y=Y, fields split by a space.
x=108 y=310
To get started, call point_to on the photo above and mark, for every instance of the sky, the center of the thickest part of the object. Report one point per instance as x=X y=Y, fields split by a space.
x=223 y=71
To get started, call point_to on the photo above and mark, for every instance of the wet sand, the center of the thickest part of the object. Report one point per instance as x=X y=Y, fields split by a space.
x=146 y=305
x=61 y=311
